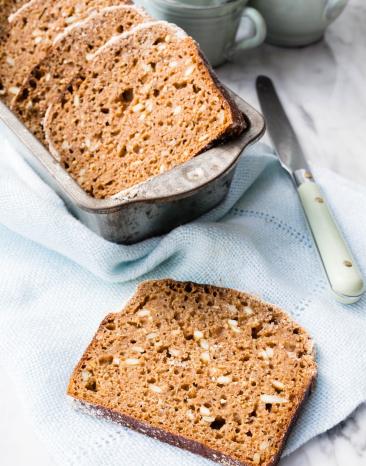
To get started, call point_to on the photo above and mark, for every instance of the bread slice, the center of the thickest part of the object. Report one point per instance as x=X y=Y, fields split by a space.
x=67 y=57
x=211 y=370
x=33 y=28
x=146 y=103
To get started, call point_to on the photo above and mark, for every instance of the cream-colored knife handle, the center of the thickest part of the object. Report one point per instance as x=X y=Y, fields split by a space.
x=343 y=273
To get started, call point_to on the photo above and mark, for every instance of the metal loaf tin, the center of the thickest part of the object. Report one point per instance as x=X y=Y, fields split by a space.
x=150 y=208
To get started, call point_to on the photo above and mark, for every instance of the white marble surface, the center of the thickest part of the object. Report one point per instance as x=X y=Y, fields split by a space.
x=324 y=89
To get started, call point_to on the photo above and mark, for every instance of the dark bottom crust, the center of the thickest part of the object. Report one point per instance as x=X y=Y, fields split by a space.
x=183 y=442
x=226 y=137
x=158 y=434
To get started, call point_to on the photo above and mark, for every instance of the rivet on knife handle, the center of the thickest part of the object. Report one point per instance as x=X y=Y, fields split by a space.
x=343 y=274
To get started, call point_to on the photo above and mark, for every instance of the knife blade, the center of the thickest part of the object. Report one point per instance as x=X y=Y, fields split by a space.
x=344 y=276
x=279 y=127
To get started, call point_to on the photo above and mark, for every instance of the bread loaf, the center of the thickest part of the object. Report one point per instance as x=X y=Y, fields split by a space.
x=146 y=103
x=33 y=28
x=212 y=370
x=67 y=57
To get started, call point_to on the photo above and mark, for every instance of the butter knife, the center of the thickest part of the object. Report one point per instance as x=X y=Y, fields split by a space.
x=343 y=274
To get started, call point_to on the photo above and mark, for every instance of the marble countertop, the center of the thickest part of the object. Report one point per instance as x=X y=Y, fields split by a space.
x=323 y=88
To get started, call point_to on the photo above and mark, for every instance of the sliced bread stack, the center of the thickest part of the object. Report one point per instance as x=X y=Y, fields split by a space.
x=212 y=370
x=67 y=57
x=117 y=97
x=32 y=30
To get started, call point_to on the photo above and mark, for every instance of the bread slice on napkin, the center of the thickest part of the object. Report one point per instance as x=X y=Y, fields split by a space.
x=146 y=103
x=211 y=370
x=67 y=57
x=32 y=30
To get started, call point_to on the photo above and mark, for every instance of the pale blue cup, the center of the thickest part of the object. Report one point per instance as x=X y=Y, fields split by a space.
x=213 y=25
x=295 y=23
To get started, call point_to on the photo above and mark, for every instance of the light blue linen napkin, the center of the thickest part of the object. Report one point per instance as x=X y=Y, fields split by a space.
x=58 y=280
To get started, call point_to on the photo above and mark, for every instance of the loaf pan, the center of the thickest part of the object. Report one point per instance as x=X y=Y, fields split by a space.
x=151 y=208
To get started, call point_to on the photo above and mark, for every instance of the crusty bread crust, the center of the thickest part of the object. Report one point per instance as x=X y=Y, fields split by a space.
x=165 y=434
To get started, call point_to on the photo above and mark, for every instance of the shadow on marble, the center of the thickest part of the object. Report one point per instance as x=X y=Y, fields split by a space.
x=344 y=445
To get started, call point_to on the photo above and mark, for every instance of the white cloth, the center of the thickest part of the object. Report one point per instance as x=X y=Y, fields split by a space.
x=58 y=280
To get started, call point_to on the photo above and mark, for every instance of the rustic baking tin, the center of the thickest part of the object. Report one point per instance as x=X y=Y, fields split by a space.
x=150 y=208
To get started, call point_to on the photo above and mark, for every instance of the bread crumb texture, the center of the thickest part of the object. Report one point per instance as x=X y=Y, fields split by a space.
x=146 y=103
x=212 y=370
